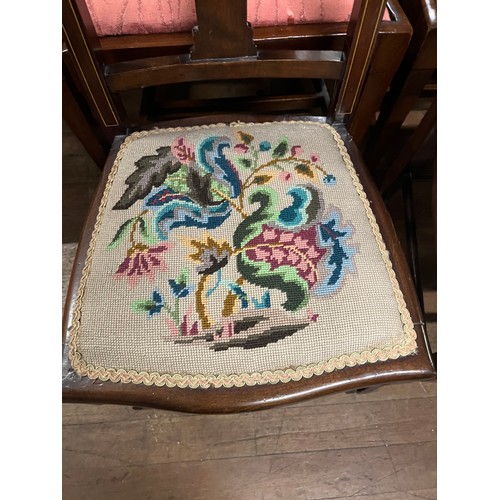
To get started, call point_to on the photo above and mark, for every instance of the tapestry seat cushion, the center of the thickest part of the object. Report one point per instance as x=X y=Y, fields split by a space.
x=231 y=255
x=135 y=17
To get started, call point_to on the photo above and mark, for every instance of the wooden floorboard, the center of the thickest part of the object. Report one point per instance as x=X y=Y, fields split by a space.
x=379 y=445
x=372 y=471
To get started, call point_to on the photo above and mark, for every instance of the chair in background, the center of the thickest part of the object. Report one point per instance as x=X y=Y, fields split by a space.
x=237 y=262
x=78 y=116
x=89 y=55
x=393 y=144
x=415 y=78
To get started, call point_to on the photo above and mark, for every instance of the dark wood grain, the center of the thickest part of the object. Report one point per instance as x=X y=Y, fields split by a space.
x=326 y=36
x=375 y=472
x=334 y=447
x=409 y=148
x=361 y=40
x=79 y=37
x=80 y=124
x=380 y=75
x=418 y=366
x=184 y=108
x=222 y=30
x=268 y=64
x=416 y=71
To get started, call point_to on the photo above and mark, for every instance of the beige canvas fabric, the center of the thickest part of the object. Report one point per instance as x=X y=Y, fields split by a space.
x=288 y=277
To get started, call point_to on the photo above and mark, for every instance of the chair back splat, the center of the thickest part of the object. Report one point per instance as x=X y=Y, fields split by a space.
x=96 y=42
x=224 y=49
x=222 y=31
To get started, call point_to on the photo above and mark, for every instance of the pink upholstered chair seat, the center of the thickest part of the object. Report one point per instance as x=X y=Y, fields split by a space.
x=132 y=17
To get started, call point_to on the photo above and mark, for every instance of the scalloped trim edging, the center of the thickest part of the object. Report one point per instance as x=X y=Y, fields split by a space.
x=406 y=347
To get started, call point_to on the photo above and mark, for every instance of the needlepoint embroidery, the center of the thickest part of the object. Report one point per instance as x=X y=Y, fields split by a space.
x=300 y=249
x=227 y=255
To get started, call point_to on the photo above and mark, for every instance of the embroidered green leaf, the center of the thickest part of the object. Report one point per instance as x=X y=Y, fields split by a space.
x=146 y=233
x=183 y=276
x=150 y=171
x=262 y=179
x=267 y=198
x=243 y=162
x=178 y=181
x=245 y=138
x=200 y=187
x=219 y=190
x=306 y=170
x=285 y=277
x=281 y=149
x=143 y=305
x=120 y=234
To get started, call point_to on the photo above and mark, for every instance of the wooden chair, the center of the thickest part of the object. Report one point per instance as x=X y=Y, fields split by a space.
x=416 y=76
x=414 y=82
x=275 y=271
x=88 y=57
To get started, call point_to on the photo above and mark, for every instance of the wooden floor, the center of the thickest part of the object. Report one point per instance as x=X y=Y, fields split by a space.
x=379 y=445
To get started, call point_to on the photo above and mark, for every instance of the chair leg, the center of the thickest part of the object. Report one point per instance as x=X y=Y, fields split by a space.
x=434 y=356
x=411 y=233
x=406 y=185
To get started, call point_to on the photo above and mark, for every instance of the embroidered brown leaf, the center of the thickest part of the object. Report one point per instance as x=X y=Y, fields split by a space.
x=306 y=170
x=281 y=149
x=248 y=330
x=151 y=171
x=262 y=179
x=245 y=138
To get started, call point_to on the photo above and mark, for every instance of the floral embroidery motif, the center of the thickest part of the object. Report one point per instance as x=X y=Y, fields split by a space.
x=298 y=248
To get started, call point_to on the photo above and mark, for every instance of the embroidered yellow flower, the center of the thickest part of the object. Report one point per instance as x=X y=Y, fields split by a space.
x=212 y=254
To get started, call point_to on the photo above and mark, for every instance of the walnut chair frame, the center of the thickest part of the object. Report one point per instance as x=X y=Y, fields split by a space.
x=349 y=68
x=89 y=60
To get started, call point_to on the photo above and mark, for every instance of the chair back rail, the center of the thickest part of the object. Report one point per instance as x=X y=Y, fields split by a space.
x=267 y=64
x=97 y=57
x=224 y=49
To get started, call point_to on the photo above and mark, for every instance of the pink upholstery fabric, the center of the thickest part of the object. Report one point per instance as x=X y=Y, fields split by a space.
x=128 y=17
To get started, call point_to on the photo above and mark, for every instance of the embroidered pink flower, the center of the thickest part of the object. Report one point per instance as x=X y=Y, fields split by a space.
x=226 y=333
x=269 y=234
x=312 y=316
x=142 y=261
x=285 y=176
x=279 y=247
x=183 y=150
x=241 y=148
x=314 y=158
x=187 y=327
x=296 y=150
x=172 y=326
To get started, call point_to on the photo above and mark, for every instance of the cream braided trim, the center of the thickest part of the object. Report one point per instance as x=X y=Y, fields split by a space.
x=406 y=347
